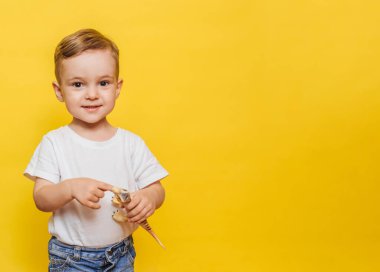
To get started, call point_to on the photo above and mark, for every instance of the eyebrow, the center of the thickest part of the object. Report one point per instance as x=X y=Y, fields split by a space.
x=103 y=76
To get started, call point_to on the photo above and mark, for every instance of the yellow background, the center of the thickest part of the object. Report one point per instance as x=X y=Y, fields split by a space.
x=266 y=114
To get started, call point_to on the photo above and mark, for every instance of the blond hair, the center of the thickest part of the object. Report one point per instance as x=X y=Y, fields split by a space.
x=80 y=41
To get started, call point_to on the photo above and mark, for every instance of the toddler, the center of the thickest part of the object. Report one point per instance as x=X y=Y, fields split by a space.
x=75 y=166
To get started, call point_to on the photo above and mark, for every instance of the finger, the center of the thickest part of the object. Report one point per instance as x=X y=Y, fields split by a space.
x=93 y=198
x=145 y=217
x=133 y=204
x=135 y=211
x=139 y=217
x=105 y=186
x=92 y=205
x=99 y=193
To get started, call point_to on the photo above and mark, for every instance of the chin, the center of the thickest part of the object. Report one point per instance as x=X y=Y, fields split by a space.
x=90 y=121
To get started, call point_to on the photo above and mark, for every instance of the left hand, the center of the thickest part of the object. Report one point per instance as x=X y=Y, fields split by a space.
x=142 y=206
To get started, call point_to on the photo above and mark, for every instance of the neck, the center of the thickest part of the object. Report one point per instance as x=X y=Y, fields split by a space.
x=101 y=130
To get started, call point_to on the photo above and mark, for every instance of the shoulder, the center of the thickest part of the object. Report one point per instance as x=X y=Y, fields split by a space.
x=55 y=133
x=135 y=142
x=130 y=136
x=55 y=136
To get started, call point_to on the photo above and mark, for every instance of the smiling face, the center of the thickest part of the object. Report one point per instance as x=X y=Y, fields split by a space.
x=89 y=86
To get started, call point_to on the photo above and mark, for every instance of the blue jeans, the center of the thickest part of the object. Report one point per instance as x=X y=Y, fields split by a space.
x=116 y=258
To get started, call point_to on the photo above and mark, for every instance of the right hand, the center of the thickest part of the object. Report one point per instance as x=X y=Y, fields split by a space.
x=88 y=191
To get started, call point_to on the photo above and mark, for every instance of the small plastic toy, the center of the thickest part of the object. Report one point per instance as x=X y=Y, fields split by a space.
x=120 y=200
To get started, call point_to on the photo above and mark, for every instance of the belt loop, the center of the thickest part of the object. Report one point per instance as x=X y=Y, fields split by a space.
x=127 y=241
x=77 y=251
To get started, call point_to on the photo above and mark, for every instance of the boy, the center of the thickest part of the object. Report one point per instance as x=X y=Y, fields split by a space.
x=75 y=166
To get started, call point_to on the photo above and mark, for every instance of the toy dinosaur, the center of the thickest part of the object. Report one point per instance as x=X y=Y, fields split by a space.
x=120 y=200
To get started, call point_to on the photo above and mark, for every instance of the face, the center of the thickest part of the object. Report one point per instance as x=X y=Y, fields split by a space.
x=89 y=86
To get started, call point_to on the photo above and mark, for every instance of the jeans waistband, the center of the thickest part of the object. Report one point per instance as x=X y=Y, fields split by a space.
x=126 y=241
x=110 y=252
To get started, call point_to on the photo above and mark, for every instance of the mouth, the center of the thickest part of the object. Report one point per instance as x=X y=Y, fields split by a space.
x=91 y=108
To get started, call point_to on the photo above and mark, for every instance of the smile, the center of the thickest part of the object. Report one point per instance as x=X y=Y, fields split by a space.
x=91 y=108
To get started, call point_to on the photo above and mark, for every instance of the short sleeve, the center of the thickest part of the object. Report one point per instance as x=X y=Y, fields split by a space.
x=43 y=163
x=146 y=168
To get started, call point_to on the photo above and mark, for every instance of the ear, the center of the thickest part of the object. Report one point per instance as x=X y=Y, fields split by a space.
x=58 y=91
x=118 y=88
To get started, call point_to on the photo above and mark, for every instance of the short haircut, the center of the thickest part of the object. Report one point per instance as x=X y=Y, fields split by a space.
x=80 y=41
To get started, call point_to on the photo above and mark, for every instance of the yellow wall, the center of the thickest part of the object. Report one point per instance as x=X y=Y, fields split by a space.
x=266 y=113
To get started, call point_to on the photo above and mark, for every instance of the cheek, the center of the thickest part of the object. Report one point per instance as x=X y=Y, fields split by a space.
x=110 y=98
x=72 y=102
x=74 y=98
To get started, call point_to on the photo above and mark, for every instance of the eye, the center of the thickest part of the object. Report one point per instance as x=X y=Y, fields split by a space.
x=77 y=84
x=104 y=83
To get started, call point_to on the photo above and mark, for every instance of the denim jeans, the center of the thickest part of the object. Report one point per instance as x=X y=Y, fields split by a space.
x=116 y=258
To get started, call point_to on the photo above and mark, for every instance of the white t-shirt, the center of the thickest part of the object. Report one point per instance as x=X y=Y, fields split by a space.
x=123 y=161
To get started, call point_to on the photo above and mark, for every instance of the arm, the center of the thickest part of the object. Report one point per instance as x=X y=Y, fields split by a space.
x=145 y=201
x=50 y=197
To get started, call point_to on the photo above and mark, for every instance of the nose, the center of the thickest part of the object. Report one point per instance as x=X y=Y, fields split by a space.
x=92 y=93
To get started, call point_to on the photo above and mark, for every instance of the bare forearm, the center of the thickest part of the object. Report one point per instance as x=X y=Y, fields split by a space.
x=52 y=197
x=156 y=192
x=87 y=191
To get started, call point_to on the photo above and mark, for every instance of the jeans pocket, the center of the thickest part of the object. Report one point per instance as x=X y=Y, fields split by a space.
x=131 y=253
x=58 y=264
